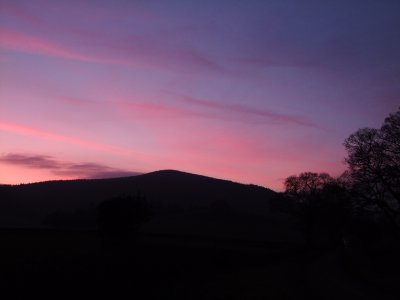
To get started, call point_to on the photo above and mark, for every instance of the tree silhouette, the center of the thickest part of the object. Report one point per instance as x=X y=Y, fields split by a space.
x=307 y=185
x=322 y=204
x=374 y=167
x=122 y=215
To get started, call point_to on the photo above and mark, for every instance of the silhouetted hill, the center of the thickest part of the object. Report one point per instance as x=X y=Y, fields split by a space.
x=171 y=193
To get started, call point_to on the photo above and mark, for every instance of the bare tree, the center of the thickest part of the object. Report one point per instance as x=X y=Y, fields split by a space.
x=374 y=167
x=307 y=185
x=321 y=203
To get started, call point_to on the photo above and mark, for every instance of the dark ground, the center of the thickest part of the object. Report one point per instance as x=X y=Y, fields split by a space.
x=56 y=264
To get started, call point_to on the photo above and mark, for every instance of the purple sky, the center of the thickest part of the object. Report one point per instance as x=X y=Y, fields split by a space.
x=252 y=91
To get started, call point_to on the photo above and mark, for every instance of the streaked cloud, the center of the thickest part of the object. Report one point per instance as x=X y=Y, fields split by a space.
x=22 y=42
x=266 y=115
x=131 y=51
x=18 y=41
x=154 y=110
x=201 y=108
x=64 y=168
x=31 y=131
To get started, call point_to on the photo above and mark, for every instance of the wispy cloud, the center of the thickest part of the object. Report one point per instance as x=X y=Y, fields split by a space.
x=64 y=168
x=200 y=108
x=18 y=41
x=30 y=14
x=30 y=131
x=184 y=106
x=266 y=115
x=132 y=51
x=158 y=110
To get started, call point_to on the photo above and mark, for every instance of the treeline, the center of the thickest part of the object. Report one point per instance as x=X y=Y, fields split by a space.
x=362 y=206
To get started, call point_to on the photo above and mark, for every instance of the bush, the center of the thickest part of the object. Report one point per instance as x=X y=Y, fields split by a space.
x=122 y=215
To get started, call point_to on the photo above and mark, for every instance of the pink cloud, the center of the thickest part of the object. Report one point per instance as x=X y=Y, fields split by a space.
x=24 y=130
x=27 y=13
x=267 y=115
x=156 y=110
x=211 y=109
x=10 y=9
x=17 y=41
x=130 y=52
x=73 y=100
x=153 y=51
x=64 y=168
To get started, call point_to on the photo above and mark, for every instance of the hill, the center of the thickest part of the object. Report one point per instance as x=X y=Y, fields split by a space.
x=182 y=202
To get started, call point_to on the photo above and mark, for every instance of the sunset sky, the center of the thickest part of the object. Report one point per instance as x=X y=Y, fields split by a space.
x=250 y=91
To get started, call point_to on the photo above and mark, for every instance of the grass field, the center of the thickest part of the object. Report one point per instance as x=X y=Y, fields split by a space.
x=70 y=264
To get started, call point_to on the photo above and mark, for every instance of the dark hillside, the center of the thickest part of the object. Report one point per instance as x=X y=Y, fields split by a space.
x=169 y=192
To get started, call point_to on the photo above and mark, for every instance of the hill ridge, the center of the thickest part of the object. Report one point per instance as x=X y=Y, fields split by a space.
x=168 y=191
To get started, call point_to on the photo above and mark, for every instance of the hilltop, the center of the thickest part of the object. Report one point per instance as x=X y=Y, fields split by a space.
x=170 y=192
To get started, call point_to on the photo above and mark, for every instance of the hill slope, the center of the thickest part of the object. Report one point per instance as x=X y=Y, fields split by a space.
x=170 y=192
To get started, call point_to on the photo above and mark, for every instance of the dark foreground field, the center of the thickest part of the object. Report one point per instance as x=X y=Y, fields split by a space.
x=74 y=265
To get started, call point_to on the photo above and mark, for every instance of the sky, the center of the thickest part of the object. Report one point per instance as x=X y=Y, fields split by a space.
x=250 y=91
